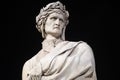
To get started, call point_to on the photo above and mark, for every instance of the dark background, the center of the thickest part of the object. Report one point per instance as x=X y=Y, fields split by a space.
x=92 y=21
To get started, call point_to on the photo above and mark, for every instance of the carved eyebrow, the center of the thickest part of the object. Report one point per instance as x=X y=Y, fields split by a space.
x=53 y=17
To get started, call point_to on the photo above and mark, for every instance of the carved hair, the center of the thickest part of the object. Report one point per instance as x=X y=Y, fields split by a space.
x=46 y=11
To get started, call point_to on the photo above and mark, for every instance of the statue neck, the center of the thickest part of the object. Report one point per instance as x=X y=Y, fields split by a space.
x=50 y=37
x=50 y=43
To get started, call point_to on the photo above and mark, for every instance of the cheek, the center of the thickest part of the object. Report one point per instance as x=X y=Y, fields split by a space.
x=62 y=26
x=47 y=25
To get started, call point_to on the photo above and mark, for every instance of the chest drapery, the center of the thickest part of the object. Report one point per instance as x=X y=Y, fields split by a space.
x=68 y=61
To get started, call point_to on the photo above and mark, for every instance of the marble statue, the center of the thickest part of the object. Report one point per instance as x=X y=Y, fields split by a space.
x=59 y=59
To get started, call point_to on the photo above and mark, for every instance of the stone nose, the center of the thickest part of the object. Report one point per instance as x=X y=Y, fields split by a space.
x=57 y=22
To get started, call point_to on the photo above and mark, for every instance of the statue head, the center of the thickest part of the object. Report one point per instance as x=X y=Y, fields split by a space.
x=55 y=7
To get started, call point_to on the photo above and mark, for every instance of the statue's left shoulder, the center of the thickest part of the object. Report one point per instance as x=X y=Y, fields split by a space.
x=84 y=45
x=87 y=54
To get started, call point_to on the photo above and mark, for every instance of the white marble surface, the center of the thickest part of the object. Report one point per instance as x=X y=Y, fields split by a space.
x=59 y=59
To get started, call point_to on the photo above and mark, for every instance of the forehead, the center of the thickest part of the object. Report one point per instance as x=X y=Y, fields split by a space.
x=55 y=14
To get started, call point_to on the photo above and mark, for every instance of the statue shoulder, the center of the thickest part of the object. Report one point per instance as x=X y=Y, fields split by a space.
x=77 y=43
x=28 y=64
x=86 y=52
x=80 y=44
x=82 y=48
x=32 y=61
x=84 y=45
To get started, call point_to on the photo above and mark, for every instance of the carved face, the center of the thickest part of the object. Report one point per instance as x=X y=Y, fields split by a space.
x=55 y=24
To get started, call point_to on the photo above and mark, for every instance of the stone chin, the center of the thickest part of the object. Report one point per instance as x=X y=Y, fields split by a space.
x=56 y=33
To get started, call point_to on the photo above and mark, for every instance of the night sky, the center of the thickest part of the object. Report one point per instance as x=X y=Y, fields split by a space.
x=91 y=21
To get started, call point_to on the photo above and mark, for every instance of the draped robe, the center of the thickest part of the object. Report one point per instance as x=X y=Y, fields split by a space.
x=67 y=61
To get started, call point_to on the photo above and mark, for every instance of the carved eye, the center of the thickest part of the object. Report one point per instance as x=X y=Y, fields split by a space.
x=53 y=18
x=61 y=20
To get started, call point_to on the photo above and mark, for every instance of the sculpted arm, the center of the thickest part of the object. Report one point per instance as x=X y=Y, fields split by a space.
x=87 y=64
x=24 y=71
x=31 y=72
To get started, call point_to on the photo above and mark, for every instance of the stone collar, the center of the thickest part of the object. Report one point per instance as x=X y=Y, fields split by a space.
x=48 y=45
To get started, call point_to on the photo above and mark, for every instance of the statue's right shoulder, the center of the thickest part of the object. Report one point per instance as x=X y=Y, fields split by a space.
x=27 y=64
x=32 y=61
x=25 y=69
